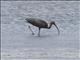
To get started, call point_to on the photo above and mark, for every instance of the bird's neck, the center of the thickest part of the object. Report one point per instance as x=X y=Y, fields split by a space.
x=49 y=25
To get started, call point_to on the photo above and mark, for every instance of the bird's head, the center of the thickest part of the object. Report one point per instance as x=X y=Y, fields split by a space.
x=52 y=22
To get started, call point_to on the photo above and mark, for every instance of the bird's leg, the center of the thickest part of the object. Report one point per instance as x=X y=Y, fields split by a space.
x=31 y=30
x=39 y=32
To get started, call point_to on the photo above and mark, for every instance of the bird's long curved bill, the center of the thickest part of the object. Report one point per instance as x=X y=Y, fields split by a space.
x=57 y=29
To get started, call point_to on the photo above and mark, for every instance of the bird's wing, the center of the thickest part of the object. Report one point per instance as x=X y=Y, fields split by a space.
x=42 y=23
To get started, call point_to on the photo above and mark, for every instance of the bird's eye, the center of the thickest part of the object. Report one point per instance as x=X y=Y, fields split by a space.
x=53 y=22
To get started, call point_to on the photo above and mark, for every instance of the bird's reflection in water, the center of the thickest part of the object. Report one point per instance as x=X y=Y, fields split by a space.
x=41 y=37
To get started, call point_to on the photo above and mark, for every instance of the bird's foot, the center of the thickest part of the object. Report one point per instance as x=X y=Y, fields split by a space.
x=32 y=33
x=38 y=35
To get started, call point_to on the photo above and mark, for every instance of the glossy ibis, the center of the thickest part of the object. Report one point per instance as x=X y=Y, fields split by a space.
x=40 y=24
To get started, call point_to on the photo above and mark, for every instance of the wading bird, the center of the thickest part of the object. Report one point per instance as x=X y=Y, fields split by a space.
x=40 y=24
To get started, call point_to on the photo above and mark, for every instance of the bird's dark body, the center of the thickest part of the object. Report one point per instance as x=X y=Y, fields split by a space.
x=37 y=22
x=40 y=24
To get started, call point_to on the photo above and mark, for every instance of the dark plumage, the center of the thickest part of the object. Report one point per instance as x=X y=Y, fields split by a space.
x=37 y=22
x=40 y=24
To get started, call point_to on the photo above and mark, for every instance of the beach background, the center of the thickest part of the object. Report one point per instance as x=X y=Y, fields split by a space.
x=17 y=43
